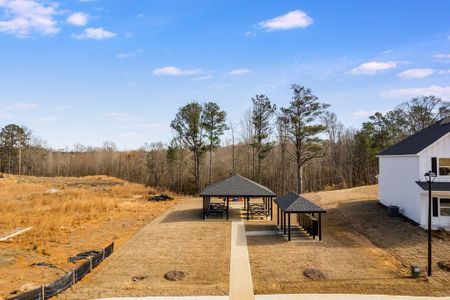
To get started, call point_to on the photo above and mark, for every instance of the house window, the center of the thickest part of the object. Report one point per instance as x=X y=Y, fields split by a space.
x=445 y=207
x=444 y=166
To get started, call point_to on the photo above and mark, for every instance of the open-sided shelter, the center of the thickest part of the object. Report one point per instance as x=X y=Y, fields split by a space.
x=306 y=214
x=236 y=186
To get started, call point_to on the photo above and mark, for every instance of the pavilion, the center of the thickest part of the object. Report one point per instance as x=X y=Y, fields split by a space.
x=306 y=214
x=241 y=187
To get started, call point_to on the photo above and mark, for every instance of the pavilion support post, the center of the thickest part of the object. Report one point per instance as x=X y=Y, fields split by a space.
x=281 y=220
x=271 y=208
x=284 y=222
x=203 y=212
x=245 y=203
x=228 y=207
x=248 y=208
x=278 y=216
x=289 y=227
x=320 y=226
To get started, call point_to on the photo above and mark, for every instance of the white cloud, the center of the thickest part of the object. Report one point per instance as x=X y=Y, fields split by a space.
x=95 y=34
x=442 y=56
x=22 y=106
x=60 y=108
x=25 y=17
x=78 y=19
x=373 y=67
x=206 y=77
x=291 y=20
x=362 y=114
x=416 y=73
x=389 y=51
x=249 y=34
x=439 y=91
x=237 y=72
x=174 y=71
x=129 y=54
x=140 y=15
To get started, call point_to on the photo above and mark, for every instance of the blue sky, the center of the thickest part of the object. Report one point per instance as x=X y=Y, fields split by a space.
x=87 y=71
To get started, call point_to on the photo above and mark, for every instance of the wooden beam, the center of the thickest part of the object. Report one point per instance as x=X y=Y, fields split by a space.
x=16 y=233
x=284 y=222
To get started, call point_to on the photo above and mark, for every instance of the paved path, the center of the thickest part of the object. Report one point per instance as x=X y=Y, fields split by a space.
x=241 y=284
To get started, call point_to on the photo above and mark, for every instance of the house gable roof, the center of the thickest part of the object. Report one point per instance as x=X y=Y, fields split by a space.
x=293 y=202
x=238 y=186
x=421 y=140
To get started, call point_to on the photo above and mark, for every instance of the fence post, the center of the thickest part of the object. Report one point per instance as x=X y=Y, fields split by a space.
x=43 y=292
x=90 y=263
x=74 y=277
x=103 y=254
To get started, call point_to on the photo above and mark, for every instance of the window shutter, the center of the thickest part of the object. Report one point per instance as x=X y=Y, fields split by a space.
x=435 y=207
x=434 y=165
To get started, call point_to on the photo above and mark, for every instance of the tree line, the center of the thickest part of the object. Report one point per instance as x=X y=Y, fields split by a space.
x=298 y=147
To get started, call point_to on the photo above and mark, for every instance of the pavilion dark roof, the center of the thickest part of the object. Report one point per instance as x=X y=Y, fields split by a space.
x=421 y=140
x=294 y=203
x=436 y=187
x=237 y=186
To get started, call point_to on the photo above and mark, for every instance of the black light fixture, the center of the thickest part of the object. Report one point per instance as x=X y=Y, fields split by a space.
x=430 y=177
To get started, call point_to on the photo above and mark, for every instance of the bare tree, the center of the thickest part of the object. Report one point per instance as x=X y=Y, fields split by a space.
x=155 y=161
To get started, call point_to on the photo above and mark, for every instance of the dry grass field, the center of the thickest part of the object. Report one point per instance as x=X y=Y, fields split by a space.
x=177 y=240
x=363 y=252
x=68 y=216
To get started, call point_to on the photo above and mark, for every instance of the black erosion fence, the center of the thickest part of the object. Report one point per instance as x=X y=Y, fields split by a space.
x=63 y=283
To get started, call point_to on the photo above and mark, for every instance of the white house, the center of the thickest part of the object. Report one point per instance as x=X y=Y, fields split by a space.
x=401 y=175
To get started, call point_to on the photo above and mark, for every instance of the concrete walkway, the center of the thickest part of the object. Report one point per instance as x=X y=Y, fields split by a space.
x=241 y=284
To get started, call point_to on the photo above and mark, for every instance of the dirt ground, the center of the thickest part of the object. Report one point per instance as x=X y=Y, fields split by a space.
x=177 y=240
x=363 y=251
x=68 y=215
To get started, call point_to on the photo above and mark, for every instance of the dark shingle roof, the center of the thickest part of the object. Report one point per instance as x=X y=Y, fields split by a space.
x=421 y=140
x=237 y=186
x=436 y=187
x=293 y=202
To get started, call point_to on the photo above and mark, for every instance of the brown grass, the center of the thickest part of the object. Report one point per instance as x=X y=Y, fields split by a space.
x=363 y=252
x=83 y=214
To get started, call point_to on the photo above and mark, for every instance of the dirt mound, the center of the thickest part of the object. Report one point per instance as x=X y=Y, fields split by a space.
x=444 y=265
x=174 y=275
x=314 y=274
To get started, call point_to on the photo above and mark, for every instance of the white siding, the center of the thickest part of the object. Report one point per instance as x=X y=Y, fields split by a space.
x=440 y=148
x=397 y=184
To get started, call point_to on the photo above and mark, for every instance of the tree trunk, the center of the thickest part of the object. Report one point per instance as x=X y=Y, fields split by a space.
x=299 y=169
x=210 y=163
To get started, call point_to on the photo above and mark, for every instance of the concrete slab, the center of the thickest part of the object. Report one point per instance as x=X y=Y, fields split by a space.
x=263 y=232
x=241 y=284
